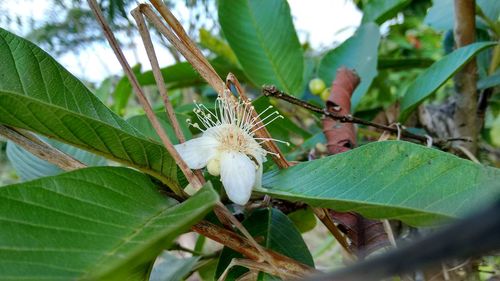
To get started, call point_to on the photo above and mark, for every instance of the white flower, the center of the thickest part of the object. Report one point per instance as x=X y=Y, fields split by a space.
x=228 y=147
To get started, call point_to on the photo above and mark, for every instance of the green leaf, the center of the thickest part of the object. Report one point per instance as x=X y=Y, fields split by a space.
x=391 y=179
x=38 y=94
x=27 y=165
x=490 y=8
x=490 y=81
x=182 y=74
x=441 y=16
x=123 y=91
x=277 y=232
x=403 y=63
x=262 y=35
x=217 y=46
x=379 y=11
x=207 y=271
x=30 y=167
x=359 y=52
x=96 y=223
x=435 y=76
x=171 y=268
x=304 y=219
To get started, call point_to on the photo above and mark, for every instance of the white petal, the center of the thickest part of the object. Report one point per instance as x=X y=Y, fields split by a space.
x=258 y=177
x=197 y=152
x=237 y=175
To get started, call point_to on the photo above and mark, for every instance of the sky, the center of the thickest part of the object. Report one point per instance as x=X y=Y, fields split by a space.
x=324 y=23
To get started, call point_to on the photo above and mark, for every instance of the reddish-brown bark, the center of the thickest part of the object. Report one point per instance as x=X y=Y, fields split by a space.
x=365 y=235
x=340 y=136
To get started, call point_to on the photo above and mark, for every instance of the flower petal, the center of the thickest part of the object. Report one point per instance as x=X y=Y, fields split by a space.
x=197 y=152
x=237 y=175
x=258 y=177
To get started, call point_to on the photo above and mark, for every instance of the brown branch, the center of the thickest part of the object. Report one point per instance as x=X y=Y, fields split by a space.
x=160 y=82
x=181 y=41
x=241 y=245
x=324 y=216
x=272 y=91
x=466 y=120
x=193 y=180
x=41 y=149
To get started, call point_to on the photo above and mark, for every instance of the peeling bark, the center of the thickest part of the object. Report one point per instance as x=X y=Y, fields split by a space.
x=366 y=235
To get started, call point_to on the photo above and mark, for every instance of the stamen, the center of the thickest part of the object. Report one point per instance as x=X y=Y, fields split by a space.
x=272 y=153
x=271 y=139
x=265 y=124
x=265 y=118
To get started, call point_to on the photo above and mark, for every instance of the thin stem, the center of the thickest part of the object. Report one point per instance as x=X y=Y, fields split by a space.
x=243 y=246
x=223 y=213
x=41 y=149
x=193 y=180
x=323 y=215
x=272 y=91
x=160 y=83
x=181 y=41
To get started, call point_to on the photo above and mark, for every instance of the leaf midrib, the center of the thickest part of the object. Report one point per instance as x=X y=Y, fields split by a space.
x=265 y=49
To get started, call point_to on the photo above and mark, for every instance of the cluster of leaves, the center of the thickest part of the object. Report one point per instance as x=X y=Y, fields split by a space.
x=112 y=222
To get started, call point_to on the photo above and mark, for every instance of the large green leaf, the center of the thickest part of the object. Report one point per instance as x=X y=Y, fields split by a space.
x=435 y=76
x=379 y=11
x=262 y=35
x=395 y=180
x=277 y=232
x=359 y=53
x=38 y=94
x=95 y=223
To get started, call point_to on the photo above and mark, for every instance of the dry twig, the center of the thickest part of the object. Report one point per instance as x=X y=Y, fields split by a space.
x=272 y=91
x=41 y=149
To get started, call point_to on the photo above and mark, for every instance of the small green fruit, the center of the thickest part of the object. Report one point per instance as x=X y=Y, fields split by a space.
x=316 y=86
x=325 y=94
